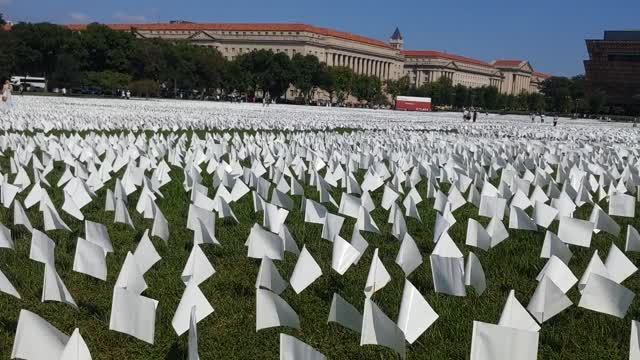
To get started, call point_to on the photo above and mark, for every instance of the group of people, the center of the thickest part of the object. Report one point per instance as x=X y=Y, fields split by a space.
x=534 y=115
x=471 y=114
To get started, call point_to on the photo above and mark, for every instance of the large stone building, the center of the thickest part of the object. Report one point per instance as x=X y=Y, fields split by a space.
x=614 y=66
x=363 y=55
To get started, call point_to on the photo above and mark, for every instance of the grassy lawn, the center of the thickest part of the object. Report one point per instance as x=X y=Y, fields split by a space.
x=229 y=333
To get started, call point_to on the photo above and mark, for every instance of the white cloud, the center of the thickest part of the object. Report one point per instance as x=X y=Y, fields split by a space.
x=77 y=17
x=128 y=18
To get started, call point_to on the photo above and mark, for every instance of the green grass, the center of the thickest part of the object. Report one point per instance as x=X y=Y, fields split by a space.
x=229 y=333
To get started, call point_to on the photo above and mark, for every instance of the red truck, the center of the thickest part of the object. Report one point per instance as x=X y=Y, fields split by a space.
x=413 y=103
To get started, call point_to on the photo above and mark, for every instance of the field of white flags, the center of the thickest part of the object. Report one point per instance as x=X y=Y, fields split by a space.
x=195 y=230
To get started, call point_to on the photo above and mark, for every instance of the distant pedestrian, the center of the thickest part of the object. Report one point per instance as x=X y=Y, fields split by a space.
x=64 y=91
x=541 y=118
x=7 y=90
x=533 y=117
x=128 y=94
x=475 y=115
x=555 y=120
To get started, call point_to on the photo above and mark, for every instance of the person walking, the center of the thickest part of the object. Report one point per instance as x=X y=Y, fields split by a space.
x=533 y=117
x=7 y=90
x=475 y=115
x=555 y=120
x=542 y=118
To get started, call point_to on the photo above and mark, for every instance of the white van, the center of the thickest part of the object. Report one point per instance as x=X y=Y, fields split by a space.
x=30 y=83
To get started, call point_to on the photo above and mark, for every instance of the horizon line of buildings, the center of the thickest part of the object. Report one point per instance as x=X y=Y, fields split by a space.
x=363 y=55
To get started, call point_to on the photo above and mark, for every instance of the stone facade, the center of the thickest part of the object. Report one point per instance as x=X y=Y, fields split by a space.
x=335 y=48
x=361 y=54
x=614 y=66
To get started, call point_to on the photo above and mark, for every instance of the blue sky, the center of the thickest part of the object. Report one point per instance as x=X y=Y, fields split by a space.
x=550 y=34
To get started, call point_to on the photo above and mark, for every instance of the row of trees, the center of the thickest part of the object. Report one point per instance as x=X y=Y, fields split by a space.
x=101 y=57
x=558 y=94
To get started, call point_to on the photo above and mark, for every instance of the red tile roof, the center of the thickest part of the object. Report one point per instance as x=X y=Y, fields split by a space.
x=507 y=63
x=437 y=54
x=242 y=27
x=541 y=75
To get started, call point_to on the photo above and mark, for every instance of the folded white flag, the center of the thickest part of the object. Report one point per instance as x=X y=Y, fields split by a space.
x=294 y=349
x=378 y=276
x=547 y=301
x=198 y=268
x=495 y=342
x=272 y=311
x=606 y=296
x=416 y=315
x=474 y=274
x=191 y=298
x=269 y=278
x=305 y=272
x=345 y=314
x=516 y=316
x=378 y=329
x=133 y=314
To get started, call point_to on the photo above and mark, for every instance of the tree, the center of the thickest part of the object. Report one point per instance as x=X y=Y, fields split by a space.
x=148 y=60
x=67 y=73
x=324 y=80
x=366 y=87
x=557 y=94
x=306 y=74
x=235 y=78
x=461 y=96
x=342 y=82
x=277 y=77
x=491 y=94
x=107 y=49
x=596 y=101
x=145 y=88
x=402 y=86
x=107 y=80
x=38 y=47
x=7 y=55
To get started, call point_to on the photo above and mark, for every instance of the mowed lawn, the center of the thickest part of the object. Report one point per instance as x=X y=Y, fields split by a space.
x=229 y=333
